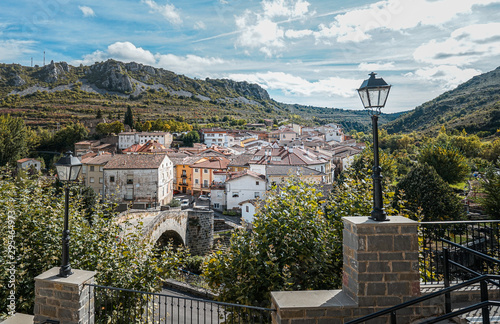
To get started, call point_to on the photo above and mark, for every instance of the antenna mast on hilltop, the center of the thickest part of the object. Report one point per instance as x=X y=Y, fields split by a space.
x=43 y=58
x=31 y=62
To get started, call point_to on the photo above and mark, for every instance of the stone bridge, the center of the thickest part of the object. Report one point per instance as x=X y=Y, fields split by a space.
x=193 y=228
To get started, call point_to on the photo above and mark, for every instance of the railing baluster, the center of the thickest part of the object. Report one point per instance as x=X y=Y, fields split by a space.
x=484 y=297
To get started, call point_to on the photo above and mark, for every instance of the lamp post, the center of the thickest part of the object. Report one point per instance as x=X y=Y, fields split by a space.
x=68 y=167
x=373 y=93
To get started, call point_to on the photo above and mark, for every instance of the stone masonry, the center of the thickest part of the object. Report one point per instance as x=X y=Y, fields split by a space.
x=200 y=231
x=380 y=271
x=67 y=300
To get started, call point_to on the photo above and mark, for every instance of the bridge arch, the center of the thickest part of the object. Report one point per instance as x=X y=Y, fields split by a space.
x=170 y=236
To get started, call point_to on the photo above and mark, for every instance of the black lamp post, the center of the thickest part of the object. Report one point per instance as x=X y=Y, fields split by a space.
x=373 y=93
x=68 y=167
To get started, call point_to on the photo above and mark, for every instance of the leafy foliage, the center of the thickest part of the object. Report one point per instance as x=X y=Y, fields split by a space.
x=14 y=142
x=448 y=162
x=190 y=138
x=491 y=199
x=293 y=246
x=426 y=193
x=36 y=209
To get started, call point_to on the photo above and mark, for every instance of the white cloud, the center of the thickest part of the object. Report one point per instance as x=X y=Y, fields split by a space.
x=200 y=25
x=290 y=33
x=261 y=31
x=127 y=52
x=297 y=86
x=464 y=46
x=189 y=64
x=447 y=76
x=395 y=15
x=285 y=8
x=87 y=11
x=376 y=66
x=168 y=11
x=13 y=49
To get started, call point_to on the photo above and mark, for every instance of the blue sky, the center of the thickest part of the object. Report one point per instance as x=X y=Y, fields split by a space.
x=307 y=52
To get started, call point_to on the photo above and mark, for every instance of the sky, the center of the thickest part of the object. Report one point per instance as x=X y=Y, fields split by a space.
x=306 y=52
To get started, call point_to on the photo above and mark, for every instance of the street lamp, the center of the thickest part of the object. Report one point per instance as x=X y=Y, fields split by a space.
x=68 y=167
x=373 y=93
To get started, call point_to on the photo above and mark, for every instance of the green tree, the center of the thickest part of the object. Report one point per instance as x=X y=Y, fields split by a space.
x=448 y=162
x=292 y=247
x=491 y=199
x=14 y=141
x=66 y=138
x=190 y=138
x=129 y=118
x=98 y=114
x=31 y=213
x=426 y=193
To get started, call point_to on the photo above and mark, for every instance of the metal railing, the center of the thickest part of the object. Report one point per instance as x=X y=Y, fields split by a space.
x=484 y=304
x=482 y=236
x=117 y=306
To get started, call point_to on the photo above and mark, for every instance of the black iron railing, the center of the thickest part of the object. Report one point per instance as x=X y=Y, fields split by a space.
x=123 y=306
x=481 y=236
x=483 y=305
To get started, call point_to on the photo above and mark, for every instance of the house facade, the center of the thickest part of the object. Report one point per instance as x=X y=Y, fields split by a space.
x=203 y=173
x=143 y=180
x=244 y=185
x=28 y=163
x=127 y=139
x=93 y=172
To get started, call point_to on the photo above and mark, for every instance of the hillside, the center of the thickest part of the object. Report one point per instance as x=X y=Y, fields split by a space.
x=59 y=93
x=473 y=106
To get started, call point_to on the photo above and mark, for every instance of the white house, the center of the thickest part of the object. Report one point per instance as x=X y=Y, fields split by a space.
x=127 y=139
x=244 y=185
x=248 y=208
x=146 y=180
x=28 y=163
x=219 y=137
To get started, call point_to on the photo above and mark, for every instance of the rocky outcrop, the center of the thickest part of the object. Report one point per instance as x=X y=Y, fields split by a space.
x=110 y=76
x=245 y=89
x=16 y=81
x=53 y=72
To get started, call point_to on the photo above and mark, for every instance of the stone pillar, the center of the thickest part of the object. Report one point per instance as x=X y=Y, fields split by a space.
x=200 y=231
x=380 y=270
x=67 y=300
x=380 y=261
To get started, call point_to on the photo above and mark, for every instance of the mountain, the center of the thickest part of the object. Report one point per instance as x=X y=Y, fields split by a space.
x=473 y=106
x=60 y=93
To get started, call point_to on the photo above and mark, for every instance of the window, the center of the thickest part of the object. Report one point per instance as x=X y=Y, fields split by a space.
x=205 y=183
x=112 y=179
x=100 y=180
x=216 y=205
x=91 y=168
x=84 y=169
x=101 y=168
x=130 y=181
x=91 y=179
x=184 y=181
x=184 y=172
x=100 y=192
x=195 y=170
x=205 y=171
x=256 y=194
x=196 y=181
x=236 y=194
x=247 y=209
x=256 y=183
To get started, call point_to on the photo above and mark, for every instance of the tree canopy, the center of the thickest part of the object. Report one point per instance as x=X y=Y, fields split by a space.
x=14 y=142
x=428 y=196
x=33 y=209
x=292 y=246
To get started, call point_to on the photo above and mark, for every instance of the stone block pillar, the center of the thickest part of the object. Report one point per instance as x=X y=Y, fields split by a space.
x=67 y=300
x=380 y=270
x=380 y=261
x=200 y=231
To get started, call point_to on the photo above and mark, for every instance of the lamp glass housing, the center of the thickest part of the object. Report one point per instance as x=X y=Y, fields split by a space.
x=374 y=92
x=68 y=167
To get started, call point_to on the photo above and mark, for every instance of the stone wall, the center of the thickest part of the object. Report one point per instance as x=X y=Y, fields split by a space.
x=67 y=300
x=200 y=231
